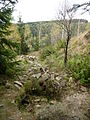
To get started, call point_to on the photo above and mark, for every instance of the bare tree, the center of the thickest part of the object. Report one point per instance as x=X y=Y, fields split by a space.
x=85 y=7
x=65 y=21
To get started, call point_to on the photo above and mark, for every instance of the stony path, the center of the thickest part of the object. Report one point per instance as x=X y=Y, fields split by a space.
x=72 y=104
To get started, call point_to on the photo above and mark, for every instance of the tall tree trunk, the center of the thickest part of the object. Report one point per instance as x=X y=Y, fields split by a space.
x=66 y=51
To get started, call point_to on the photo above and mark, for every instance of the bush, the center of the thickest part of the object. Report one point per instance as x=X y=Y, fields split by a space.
x=47 y=51
x=80 y=66
x=60 y=44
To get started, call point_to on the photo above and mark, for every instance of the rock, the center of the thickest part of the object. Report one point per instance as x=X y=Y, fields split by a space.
x=62 y=83
x=44 y=100
x=17 y=86
x=13 y=101
x=37 y=75
x=58 y=78
x=24 y=76
x=52 y=102
x=38 y=106
x=9 y=118
x=18 y=83
x=75 y=118
x=30 y=62
x=32 y=58
x=83 y=89
x=70 y=80
x=42 y=70
x=52 y=76
x=8 y=85
x=45 y=76
x=37 y=100
x=1 y=105
x=56 y=74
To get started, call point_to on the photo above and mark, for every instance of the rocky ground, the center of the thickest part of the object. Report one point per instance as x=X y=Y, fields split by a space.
x=57 y=98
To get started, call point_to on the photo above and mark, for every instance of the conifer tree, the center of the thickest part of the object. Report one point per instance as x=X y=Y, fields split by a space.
x=6 y=53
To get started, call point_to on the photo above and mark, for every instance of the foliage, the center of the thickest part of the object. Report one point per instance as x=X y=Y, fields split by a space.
x=47 y=51
x=7 y=54
x=60 y=44
x=80 y=66
x=87 y=36
x=35 y=44
x=24 y=46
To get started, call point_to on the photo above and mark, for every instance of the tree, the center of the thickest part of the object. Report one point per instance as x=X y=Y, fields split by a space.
x=27 y=36
x=65 y=21
x=85 y=6
x=6 y=53
x=21 y=28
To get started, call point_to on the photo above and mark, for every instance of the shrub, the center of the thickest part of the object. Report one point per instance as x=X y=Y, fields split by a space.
x=60 y=44
x=47 y=51
x=80 y=66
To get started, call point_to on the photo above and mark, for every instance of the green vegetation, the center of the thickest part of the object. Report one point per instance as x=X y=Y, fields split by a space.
x=80 y=66
x=47 y=51
x=7 y=53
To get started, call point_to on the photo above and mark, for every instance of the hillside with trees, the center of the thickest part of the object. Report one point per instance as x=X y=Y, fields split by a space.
x=44 y=66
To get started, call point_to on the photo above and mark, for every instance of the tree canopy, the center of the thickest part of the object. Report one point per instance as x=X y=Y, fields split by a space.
x=6 y=52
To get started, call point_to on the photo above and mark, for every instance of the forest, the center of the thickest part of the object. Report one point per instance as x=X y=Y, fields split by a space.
x=45 y=66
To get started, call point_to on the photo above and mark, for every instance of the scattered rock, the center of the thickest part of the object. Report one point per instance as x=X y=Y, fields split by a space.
x=83 y=89
x=38 y=106
x=44 y=100
x=32 y=58
x=45 y=76
x=42 y=70
x=58 y=78
x=18 y=83
x=37 y=75
x=17 y=86
x=52 y=76
x=37 y=100
x=9 y=118
x=52 y=102
x=1 y=105
x=8 y=85
x=70 y=80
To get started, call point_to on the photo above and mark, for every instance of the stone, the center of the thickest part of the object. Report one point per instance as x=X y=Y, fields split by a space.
x=42 y=70
x=18 y=83
x=17 y=86
x=44 y=100
x=8 y=85
x=45 y=76
x=52 y=102
x=76 y=118
x=37 y=100
x=32 y=58
x=1 y=105
x=52 y=76
x=38 y=106
x=58 y=78
x=83 y=89
x=9 y=118
x=62 y=83
x=38 y=75
x=70 y=80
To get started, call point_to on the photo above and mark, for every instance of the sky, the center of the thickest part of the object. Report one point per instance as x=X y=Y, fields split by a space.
x=43 y=10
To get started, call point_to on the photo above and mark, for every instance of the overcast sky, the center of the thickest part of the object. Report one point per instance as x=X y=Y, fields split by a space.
x=42 y=10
